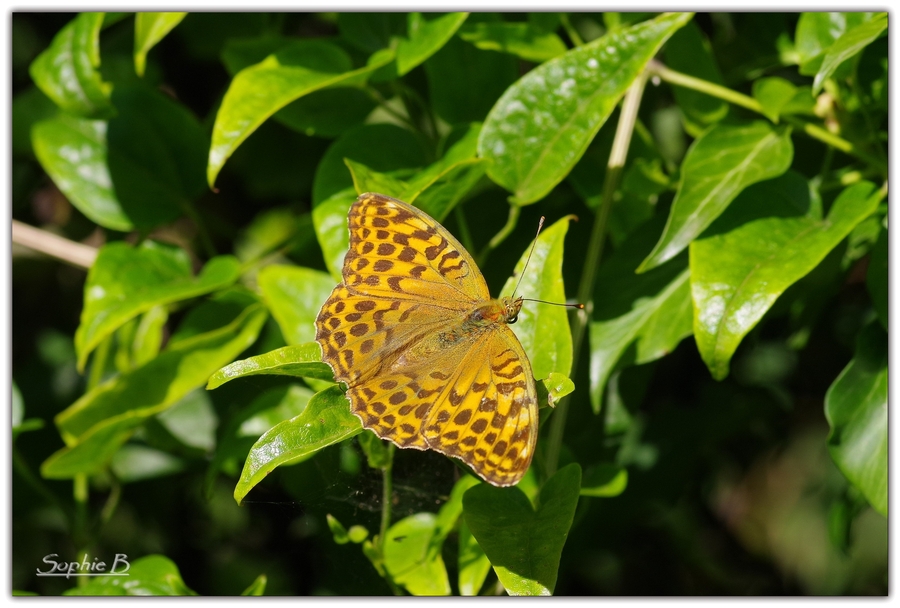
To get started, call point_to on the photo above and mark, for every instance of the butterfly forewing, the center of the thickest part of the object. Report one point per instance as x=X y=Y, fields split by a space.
x=418 y=374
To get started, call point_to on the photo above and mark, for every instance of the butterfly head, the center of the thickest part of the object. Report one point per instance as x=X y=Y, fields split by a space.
x=511 y=307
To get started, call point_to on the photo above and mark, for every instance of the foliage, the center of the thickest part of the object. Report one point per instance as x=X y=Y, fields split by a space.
x=728 y=173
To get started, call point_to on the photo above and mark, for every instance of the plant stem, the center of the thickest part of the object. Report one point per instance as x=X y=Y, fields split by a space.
x=574 y=36
x=615 y=167
x=61 y=248
x=387 y=493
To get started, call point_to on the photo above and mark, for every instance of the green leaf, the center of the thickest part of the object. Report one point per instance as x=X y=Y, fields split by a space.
x=412 y=548
x=151 y=575
x=357 y=534
x=302 y=360
x=294 y=296
x=773 y=94
x=325 y=421
x=558 y=386
x=473 y=563
x=424 y=38
x=638 y=318
x=148 y=335
x=332 y=230
x=524 y=544
x=435 y=189
x=718 y=166
x=817 y=31
x=260 y=90
x=257 y=588
x=67 y=71
x=849 y=44
x=877 y=277
x=378 y=452
x=137 y=170
x=461 y=95
x=125 y=281
x=543 y=329
x=739 y=271
x=520 y=39
x=542 y=124
x=413 y=559
x=338 y=531
x=149 y=29
x=381 y=147
x=856 y=407
x=689 y=52
x=604 y=481
x=96 y=425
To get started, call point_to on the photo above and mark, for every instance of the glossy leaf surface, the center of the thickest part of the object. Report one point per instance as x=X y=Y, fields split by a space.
x=542 y=125
x=261 y=90
x=325 y=421
x=738 y=273
x=67 y=71
x=302 y=360
x=718 y=166
x=126 y=281
x=524 y=544
x=149 y=29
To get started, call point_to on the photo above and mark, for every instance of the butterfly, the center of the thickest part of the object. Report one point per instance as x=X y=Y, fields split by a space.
x=427 y=355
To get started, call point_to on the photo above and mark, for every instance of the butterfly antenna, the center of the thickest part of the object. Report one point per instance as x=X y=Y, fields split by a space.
x=528 y=259
x=579 y=306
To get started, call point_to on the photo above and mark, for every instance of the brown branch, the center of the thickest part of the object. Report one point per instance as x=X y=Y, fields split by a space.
x=55 y=246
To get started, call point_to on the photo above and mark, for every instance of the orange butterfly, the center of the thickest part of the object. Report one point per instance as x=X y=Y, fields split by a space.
x=427 y=354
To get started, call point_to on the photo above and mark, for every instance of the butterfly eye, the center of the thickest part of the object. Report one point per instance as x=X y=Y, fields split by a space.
x=512 y=319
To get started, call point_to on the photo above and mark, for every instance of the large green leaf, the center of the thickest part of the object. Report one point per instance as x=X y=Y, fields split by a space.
x=524 y=544
x=543 y=329
x=719 y=164
x=520 y=39
x=294 y=295
x=325 y=421
x=542 y=125
x=849 y=44
x=637 y=317
x=149 y=29
x=300 y=361
x=152 y=575
x=96 y=425
x=856 y=407
x=424 y=37
x=137 y=170
x=125 y=281
x=67 y=71
x=756 y=253
x=817 y=31
x=260 y=90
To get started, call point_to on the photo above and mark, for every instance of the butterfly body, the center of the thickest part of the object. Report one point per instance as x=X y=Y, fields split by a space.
x=426 y=353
